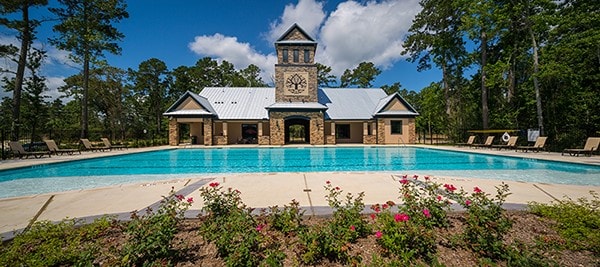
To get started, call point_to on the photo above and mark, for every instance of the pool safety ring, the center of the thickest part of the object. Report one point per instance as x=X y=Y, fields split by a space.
x=505 y=137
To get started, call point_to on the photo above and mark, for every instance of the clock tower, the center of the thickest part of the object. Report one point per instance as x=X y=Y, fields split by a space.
x=296 y=116
x=295 y=71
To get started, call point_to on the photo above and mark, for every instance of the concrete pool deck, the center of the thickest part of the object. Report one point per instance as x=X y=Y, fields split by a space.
x=258 y=190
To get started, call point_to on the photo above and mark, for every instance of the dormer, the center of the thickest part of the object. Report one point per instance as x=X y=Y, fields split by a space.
x=295 y=47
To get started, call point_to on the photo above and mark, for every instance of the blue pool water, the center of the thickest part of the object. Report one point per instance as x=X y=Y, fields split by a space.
x=179 y=163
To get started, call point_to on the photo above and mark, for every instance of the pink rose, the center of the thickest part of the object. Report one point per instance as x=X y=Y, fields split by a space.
x=426 y=213
x=378 y=234
x=401 y=217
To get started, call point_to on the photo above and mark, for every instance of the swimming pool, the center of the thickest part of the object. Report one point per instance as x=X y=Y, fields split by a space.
x=180 y=163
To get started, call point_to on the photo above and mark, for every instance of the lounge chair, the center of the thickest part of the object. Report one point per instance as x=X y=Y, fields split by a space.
x=469 y=141
x=108 y=145
x=19 y=151
x=488 y=142
x=88 y=145
x=591 y=145
x=54 y=149
x=540 y=142
x=512 y=143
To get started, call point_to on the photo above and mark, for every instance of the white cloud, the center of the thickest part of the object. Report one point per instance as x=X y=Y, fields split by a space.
x=239 y=54
x=308 y=14
x=373 y=32
x=53 y=83
x=353 y=33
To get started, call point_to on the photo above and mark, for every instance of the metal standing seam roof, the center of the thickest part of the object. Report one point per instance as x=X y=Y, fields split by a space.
x=252 y=103
x=240 y=103
x=350 y=103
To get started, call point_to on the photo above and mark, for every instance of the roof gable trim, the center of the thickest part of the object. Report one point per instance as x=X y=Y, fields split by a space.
x=291 y=30
x=393 y=100
x=196 y=99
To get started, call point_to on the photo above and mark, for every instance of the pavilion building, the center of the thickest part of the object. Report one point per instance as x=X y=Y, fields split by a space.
x=296 y=110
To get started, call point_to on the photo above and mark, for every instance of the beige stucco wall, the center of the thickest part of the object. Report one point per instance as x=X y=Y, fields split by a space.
x=234 y=132
x=196 y=130
x=188 y=104
x=395 y=105
x=384 y=135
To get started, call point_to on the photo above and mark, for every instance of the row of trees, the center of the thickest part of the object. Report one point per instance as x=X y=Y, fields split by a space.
x=537 y=66
x=505 y=65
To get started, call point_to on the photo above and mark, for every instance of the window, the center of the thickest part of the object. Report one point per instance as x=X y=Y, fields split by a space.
x=296 y=55
x=342 y=131
x=306 y=56
x=396 y=127
x=285 y=55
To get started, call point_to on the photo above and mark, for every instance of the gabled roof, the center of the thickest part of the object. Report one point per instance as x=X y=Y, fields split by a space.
x=350 y=103
x=240 y=103
x=384 y=107
x=204 y=108
x=254 y=103
x=284 y=36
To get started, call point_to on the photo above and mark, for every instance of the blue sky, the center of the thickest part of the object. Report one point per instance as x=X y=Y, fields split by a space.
x=242 y=32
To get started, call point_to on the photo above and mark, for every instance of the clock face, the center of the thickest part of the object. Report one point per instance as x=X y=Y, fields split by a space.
x=296 y=83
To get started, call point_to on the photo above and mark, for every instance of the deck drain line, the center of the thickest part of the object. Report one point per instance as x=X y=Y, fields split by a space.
x=544 y=191
x=308 y=190
x=37 y=215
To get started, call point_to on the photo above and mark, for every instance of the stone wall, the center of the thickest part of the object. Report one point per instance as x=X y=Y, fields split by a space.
x=277 y=126
x=208 y=134
x=330 y=139
x=280 y=95
x=412 y=131
x=220 y=140
x=173 y=132
x=369 y=139
x=380 y=131
x=264 y=140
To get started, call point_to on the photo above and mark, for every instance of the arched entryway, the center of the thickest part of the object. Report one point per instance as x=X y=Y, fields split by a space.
x=297 y=130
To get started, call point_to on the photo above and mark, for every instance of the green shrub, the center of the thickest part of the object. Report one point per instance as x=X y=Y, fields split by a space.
x=56 y=244
x=578 y=221
x=231 y=227
x=150 y=236
x=408 y=235
x=486 y=222
x=423 y=202
x=332 y=239
x=287 y=220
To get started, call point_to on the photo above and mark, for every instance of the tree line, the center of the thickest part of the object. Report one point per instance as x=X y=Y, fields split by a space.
x=515 y=64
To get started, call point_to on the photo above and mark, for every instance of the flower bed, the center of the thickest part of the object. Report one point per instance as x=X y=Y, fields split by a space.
x=421 y=230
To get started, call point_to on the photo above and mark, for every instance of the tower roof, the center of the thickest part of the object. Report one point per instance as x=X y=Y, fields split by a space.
x=295 y=34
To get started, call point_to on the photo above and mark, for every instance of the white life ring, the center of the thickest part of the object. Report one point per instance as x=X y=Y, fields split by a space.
x=505 y=137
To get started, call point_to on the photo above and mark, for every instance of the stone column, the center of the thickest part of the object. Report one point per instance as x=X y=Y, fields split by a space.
x=317 y=130
x=380 y=131
x=208 y=131
x=412 y=132
x=173 y=132
x=277 y=128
